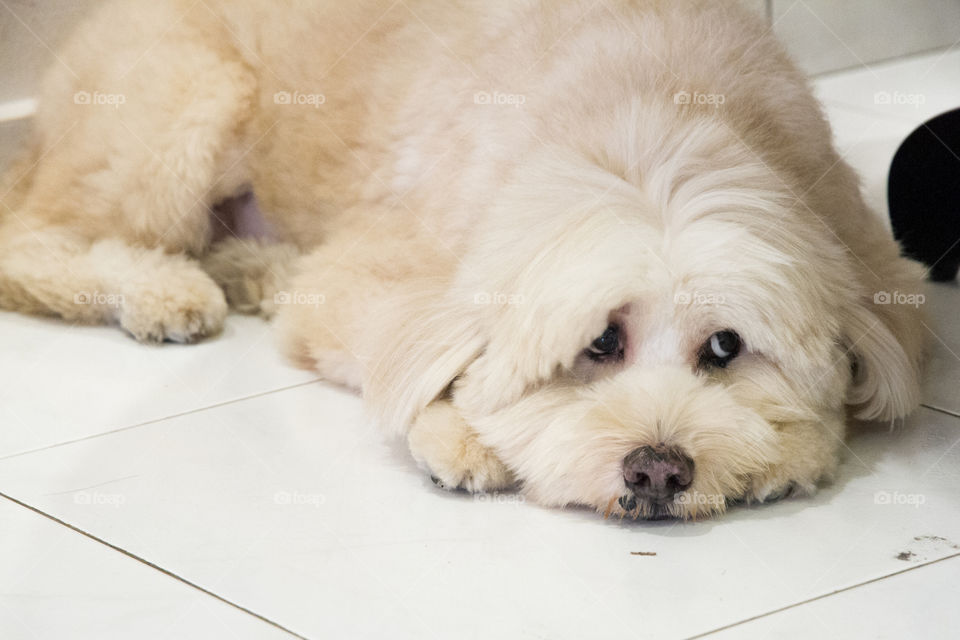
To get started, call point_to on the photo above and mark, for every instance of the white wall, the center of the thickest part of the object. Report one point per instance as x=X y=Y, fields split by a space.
x=826 y=35
x=30 y=30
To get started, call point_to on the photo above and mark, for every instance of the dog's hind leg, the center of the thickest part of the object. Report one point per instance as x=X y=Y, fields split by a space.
x=139 y=132
x=152 y=295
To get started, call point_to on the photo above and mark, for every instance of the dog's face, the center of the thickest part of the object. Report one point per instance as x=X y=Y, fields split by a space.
x=658 y=355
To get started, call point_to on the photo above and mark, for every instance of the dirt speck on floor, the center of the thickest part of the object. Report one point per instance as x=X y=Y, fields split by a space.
x=945 y=541
x=643 y=553
x=906 y=556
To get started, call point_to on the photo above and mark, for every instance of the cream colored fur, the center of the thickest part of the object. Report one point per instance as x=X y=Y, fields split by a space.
x=477 y=190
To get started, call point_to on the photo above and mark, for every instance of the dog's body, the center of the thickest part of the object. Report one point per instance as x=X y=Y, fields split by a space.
x=477 y=193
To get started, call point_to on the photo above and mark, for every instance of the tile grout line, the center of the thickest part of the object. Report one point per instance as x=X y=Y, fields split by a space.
x=160 y=419
x=947 y=412
x=152 y=565
x=820 y=597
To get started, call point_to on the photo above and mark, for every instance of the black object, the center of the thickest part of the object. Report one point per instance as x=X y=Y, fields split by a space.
x=924 y=195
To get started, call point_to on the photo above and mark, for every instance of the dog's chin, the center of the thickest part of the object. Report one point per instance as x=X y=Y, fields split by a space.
x=648 y=510
x=631 y=507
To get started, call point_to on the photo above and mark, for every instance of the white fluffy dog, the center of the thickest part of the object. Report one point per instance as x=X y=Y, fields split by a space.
x=604 y=250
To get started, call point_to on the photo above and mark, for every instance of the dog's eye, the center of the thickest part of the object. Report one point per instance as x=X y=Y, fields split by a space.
x=608 y=346
x=720 y=349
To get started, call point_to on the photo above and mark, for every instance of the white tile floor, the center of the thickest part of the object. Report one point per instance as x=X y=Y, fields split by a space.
x=219 y=493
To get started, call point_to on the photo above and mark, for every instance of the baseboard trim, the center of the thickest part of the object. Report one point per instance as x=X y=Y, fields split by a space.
x=17 y=109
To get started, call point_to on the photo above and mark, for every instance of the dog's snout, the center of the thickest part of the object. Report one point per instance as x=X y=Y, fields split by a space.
x=657 y=473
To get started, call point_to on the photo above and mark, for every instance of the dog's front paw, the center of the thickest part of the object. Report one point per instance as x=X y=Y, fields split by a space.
x=183 y=309
x=808 y=457
x=782 y=481
x=774 y=493
x=450 y=451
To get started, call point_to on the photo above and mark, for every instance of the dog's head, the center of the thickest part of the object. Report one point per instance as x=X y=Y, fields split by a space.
x=655 y=350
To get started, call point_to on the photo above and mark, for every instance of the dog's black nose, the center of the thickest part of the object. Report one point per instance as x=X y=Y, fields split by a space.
x=657 y=473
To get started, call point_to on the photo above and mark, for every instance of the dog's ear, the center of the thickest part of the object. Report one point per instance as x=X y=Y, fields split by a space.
x=885 y=338
x=430 y=340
